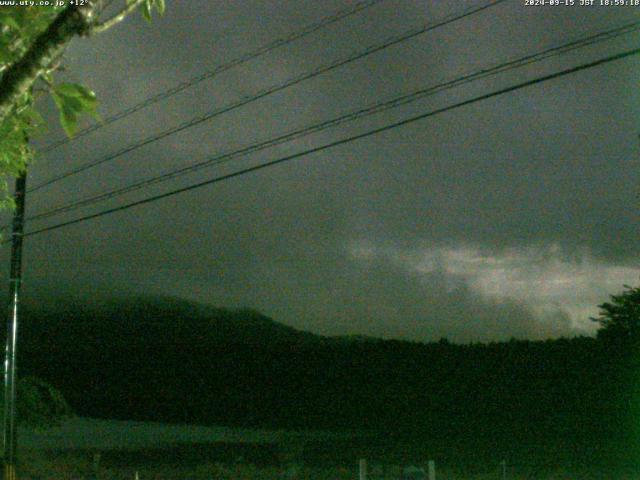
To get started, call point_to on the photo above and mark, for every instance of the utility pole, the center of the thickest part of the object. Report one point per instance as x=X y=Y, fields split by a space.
x=15 y=279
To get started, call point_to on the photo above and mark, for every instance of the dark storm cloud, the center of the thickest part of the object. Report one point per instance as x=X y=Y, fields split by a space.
x=554 y=164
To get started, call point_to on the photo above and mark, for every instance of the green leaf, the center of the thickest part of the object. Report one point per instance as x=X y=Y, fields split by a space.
x=160 y=6
x=69 y=121
x=146 y=10
x=68 y=107
x=5 y=57
x=73 y=100
x=33 y=117
x=86 y=96
x=7 y=19
x=48 y=78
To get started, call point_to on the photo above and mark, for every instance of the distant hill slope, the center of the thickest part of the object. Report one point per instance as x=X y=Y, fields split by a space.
x=161 y=321
x=162 y=358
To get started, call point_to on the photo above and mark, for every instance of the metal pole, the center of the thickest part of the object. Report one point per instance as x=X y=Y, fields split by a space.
x=432 y=469
x=15 y=279
x=362 y=470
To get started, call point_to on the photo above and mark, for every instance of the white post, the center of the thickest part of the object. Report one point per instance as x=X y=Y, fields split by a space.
x=432 y=470
x=504 y=469
x=363 y=469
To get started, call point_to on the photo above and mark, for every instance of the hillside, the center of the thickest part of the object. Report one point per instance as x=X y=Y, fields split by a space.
x=163 y=359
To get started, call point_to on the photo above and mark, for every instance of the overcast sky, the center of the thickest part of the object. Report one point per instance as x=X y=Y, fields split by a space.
x=514 y=216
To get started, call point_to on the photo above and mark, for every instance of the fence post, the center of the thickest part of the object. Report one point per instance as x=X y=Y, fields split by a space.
x=362 y=469
x=503 y=464
x=432 y=470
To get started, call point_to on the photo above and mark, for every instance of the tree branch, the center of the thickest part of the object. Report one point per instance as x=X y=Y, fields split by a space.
x=117 y=18
x=20 y=76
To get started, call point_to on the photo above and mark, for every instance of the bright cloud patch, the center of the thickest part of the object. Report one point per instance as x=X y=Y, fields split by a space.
x=543 y=279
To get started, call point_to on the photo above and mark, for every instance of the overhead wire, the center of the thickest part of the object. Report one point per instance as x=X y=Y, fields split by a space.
x=349 y=139
x=351 y=116
x=407 y=35
x=244 y=58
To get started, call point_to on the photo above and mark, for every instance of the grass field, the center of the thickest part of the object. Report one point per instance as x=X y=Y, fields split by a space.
x=93 y=433
x=160 y=451
x=39 y=466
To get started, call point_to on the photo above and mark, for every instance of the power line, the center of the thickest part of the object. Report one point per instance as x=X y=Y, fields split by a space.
x=363 y=112
x=262 y=50
x=271 y=90
x=343 y=141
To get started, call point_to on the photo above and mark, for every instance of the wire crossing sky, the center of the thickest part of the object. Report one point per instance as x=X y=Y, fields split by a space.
x=370 y=110
x=503 y=91
x=278 y=43
x=370 y=50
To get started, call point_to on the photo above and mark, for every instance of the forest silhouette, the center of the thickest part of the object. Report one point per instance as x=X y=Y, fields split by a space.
x=170 y=360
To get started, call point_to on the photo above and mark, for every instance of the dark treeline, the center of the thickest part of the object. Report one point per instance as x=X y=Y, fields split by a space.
x=170 y=360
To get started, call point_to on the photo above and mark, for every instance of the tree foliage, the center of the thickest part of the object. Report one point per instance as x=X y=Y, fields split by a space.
x=32 y=42
x=19 y=28
x=619 y=319
x=39 y=403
